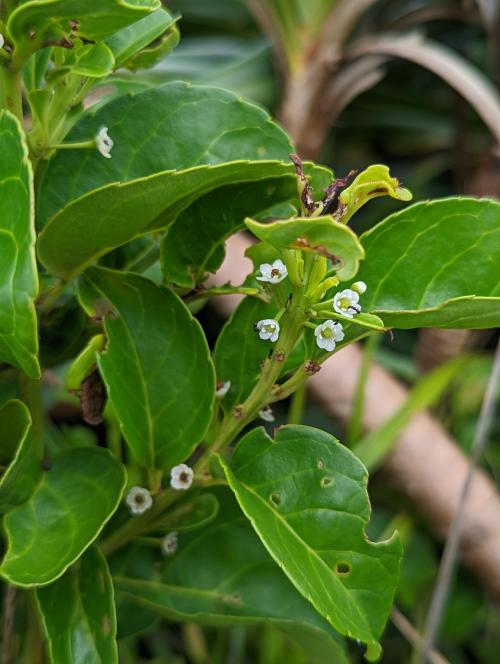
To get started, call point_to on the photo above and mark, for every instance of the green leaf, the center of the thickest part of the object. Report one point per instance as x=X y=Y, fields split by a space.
x=92 y=60
x=68 y=509
x=435 y=264
x=157 y=367
x=222 y=575
x=78 y=613
x=321 y=235
x=84 y=364
x=192 y=243
x=155 y=52
x=18 y=273
x=125 y=43
x=36 y=24
x=18 y=454
x=305 y=495
x=171 y=128
x=239 y=351
x=377 y=444
x=189 y=514
x=372 y=182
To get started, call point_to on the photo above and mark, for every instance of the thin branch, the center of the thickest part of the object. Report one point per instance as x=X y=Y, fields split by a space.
x=413 y=637
x=452 y=545
x=9 y=605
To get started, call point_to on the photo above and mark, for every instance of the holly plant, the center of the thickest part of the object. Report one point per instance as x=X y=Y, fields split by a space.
x=137 y=477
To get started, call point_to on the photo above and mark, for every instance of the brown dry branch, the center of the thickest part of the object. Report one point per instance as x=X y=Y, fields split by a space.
x=426 y=464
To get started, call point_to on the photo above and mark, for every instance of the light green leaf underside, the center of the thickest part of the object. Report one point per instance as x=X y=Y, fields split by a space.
x=40 y=22
x=192 y=243
x=223 y=575
x=127 y=42
x=435 y=264
x=157 y=367
x=18 y=455
x=68 y=509
x=18 y=272
x=78 y=613
x=320 y=235
x=305 y=495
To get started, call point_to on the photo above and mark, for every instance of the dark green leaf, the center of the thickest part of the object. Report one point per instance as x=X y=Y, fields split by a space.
x=69 y=507
x=223 y=575
x=36 y=24
x=93 y=60
x=156 y=51
x=157 y=367
x=127 y=42
x=239 y=350
x=305 y=495
x=321 y=235
x=18 y=454
x=18 y=273
x=435 y=264
x=189 y=514
x=192 y=240
x=78 y=613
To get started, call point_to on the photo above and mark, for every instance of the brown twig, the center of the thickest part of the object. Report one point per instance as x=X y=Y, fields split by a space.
x=9 y=606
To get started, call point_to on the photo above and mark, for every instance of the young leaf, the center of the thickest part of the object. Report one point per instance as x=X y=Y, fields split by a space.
x=93 y=60
x=192 y=243
x=435 y=264
x=125 y=43
x=71 y=503
x=78 y=613
x=305 y=495
x=372 y=182
x=157 y=367
x=18 y=273
x=36 y=24
x=222 y=575
x=321 y=235
x=18 y=455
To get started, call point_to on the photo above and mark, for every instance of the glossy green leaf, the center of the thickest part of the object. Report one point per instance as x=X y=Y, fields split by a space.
x=435 y=264
x=376 y=445
x=321 y=235
x=223 y=575
x=18 y=455
x=374 y=181
x=92 y=60
x=78 y=613
x=239 y=350
x=125 y=43
x=36 y=24
x=305 y=495
x=171 y=128
x=72 y=502
x=192 y=242
x=18 y=273
x=157 y=367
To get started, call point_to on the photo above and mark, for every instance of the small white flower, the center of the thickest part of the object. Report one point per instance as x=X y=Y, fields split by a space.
x=359 y=287
x=328 y=333
x=181 y=477
x=222 y=388
x=273 y=273
x=266 y=414
x=2 y=40
x=104 y=143
x=346 y=304
x=169 y=544
x=138 y=500
x=268 y=329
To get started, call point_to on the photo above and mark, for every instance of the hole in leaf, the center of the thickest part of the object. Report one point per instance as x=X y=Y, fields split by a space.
x=321 y=464
x=275 y=498
x=343 y=568
x=327 y=481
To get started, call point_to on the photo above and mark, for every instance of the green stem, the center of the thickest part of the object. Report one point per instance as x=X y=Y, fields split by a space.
x=11 y=97
x=297 y=404
x=355 y=428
